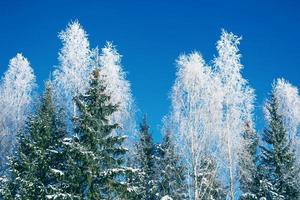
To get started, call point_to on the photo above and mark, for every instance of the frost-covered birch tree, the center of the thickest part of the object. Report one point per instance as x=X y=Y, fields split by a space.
x=16 y=90
x=118 y=88
x=72 y=75
x=237 y=105
x=195 y=114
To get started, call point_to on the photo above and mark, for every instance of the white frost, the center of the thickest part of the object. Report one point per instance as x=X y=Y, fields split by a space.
x=16 y=90
x=72 y=75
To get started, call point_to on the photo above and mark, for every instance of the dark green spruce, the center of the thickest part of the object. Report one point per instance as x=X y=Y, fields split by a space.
x=145 y=159
x=210 y=187
x=37 y=157
x=278 y=164
x=170 y=171
x=248 y=173
x=96 y=154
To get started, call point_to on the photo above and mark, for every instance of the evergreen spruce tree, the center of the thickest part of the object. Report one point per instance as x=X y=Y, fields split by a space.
x=58 y=186
x=170 y=171
x=21 y=180
x=146 y=162
x=135 y=175
x=278 y=165
x=96 y=167
x=249 y=175
x=37 y=153
x=210 y=187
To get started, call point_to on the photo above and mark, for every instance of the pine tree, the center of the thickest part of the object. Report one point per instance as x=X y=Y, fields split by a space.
x=146 y=162
x=249 y=175
x=37 y=151
x=171 y=171
x=97 y=155
x=278 y=158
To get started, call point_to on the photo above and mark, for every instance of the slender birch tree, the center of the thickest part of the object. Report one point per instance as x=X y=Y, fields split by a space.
x=195 y=114
x=237 y=105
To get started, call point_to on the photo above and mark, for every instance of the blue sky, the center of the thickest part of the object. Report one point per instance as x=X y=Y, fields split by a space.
x=151 y=34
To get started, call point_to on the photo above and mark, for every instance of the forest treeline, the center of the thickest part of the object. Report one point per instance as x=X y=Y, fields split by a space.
x=80 y=138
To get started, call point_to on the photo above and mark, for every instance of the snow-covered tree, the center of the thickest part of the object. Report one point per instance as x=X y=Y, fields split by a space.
x=71 y=76
x=38 y=154
x=248 y=170
x=21 y=181
x=196 y=112
x=171 y=171
x=237 y=105
x=167 y=197
x=97 y=170
x=16 y=90
x=211 y=187
x=278 y=161
x=288 y=106
x=118 y=88
x=288 y=99
x=145 y=161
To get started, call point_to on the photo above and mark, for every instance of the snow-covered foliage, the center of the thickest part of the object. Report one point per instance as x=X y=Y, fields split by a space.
x=116 y=84
x=145 y=160
x=99 y=154
x=210 y=108
x=118 y=88
x=289 y=105
x=237 y=104
x=278 y=161
x=248 y=169
x=170 y=170
x=195 y=112
x=71 y=76
x=16 y=90
x=196 y=106
x=288 y=99
x=167 y=197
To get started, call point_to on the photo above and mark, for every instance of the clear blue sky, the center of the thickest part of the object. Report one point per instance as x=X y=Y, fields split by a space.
x=151 y=34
